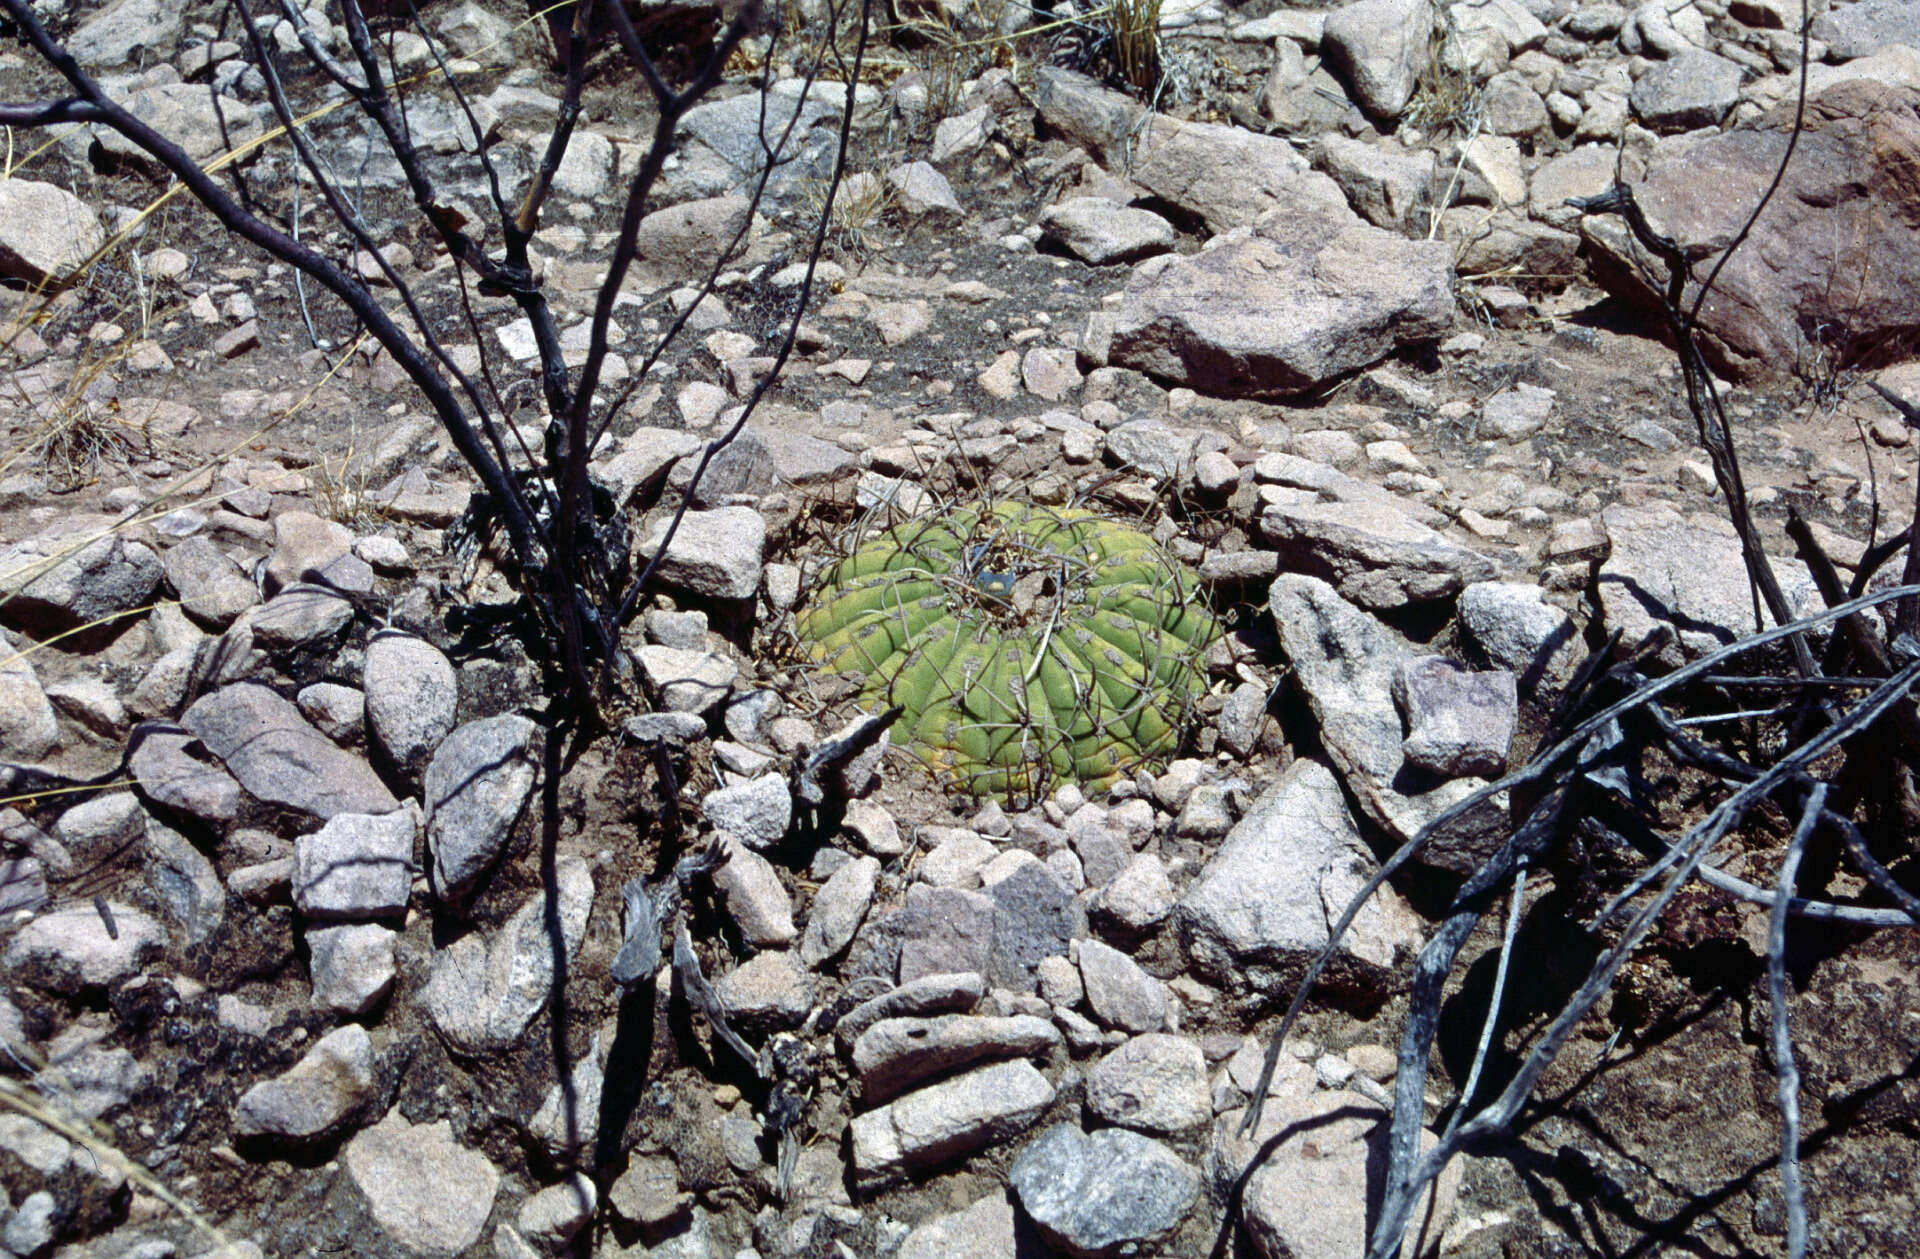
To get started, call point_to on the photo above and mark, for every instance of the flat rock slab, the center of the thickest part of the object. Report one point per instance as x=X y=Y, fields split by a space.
x=1459 y=723
x=172 y=777
x=45 y=231
x=716 y=553
x=74 y=950
x=895 y=1054
x=1849 y=184
x=1154 y=1083
x=426 y=1190
x=76 y=573
x=1311 y=292
x=1106 y=1193
x=482 y=993
x=948 y=1120
x=1344 y=660
x=1686 y=572
x=1309 y=1198
x=1226 y=176
x=279 y=757
x=1374 y=553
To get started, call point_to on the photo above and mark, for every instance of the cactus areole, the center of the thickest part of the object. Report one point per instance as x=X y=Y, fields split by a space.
x=1029 y=646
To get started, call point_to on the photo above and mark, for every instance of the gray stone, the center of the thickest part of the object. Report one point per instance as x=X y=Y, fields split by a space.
x=184 y=882
x=1385 y=186
x=1153 y=1083
x=551 y=1217
x=839 y=907
x=46 y=232
x=172 y=773
x=982 y=1231
x=99 y=830
x=1111 y=1192
x=1262 y=906
x=756 y=812
x=91 y=702
x=112 y=36
x=1376 y=554
x=1865 y=27
x=1344 y=660
x=1313 y=292
x=28 y=728
x=1308 y=1197
x=583 y=172
x=1518 y=413
x=645 y=458
x=767 y=992
x=301 y=615
x=1458 y=723
x=1033 y=918
x=351 y=965
x=475 y=787
x=1379 y=47
x=340 y=712
x=1050 y=372
x=1140 y=897
x=315 y=1097
x=411 y=696
x=210 y=585
x=648 y=1193
x=1243 y=718
x=425 y=1190
x=303 y=546
x=716 y=554
x=945 y=931
x=1686 y=572
x=686 y=681
x=1121 y=995
x=948 y=1120
x=1226 y=176
x=929 y=994
x=79 y=572
x=568 y=1120
x=71 y=951
x=724 y=145
x=1695 y=89
x=356 y=866
x=1152 y=447
x=895 y=1054
x=482 y=993
x=1515 y=628
x=186 y=114
x=1099 y=231
x=922 y=190
x=757 y=902
x=268 y=746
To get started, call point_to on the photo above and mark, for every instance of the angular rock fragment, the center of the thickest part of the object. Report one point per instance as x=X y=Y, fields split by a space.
x=317 y=1095
x=948 y=1120
x=1309 y=293
x=278 y=757
x=895 y=1054
x=1110 y=1192
x=475 y=787
x=1262 y=906
x=1344 y=660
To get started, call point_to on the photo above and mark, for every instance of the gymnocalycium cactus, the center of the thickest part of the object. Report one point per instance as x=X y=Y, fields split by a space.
x=1028 y=645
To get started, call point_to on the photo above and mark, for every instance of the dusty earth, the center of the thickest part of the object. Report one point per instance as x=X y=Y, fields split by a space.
x=1656 y=1130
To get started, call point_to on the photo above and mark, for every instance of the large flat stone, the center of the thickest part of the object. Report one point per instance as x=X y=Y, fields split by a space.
x=278 y=757
x=1310 y=293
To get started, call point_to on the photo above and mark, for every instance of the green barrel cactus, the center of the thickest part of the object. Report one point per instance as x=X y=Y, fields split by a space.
x=1028 y=645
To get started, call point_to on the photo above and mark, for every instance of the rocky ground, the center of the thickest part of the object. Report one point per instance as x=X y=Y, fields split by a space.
x=1325 y=326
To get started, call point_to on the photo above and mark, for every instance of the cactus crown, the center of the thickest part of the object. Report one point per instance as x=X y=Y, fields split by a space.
x=1028 y=645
